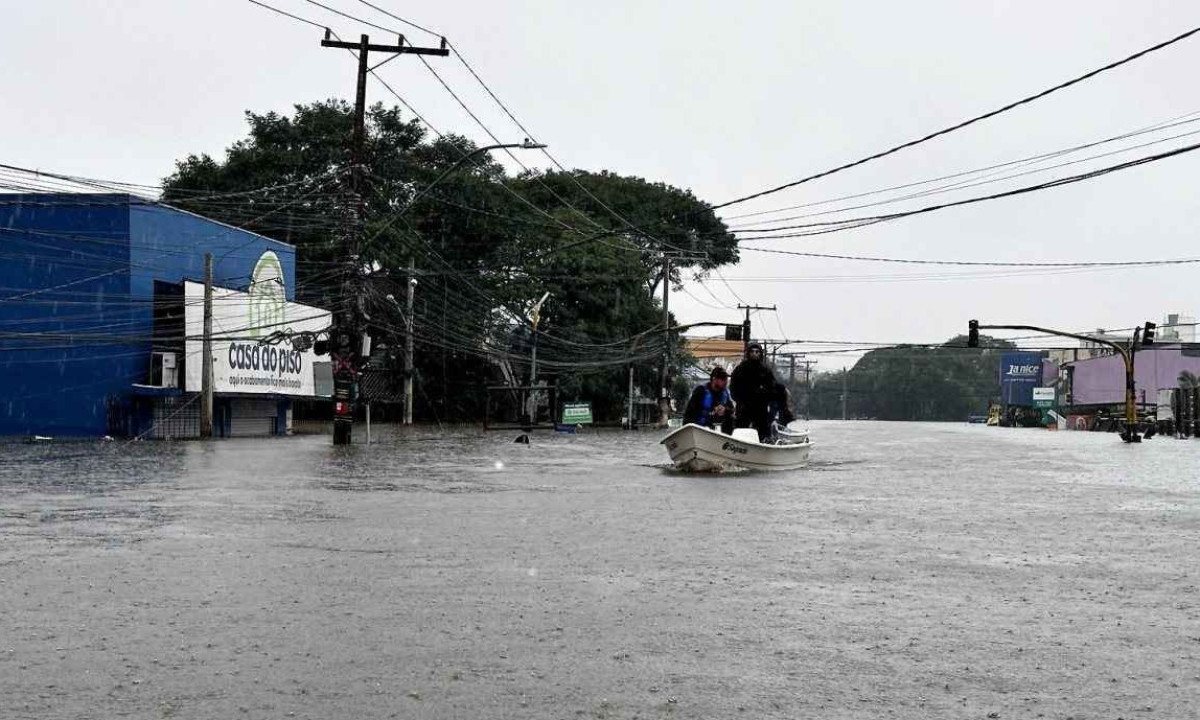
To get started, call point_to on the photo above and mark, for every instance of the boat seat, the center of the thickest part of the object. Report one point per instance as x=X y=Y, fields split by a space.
x=745 y=434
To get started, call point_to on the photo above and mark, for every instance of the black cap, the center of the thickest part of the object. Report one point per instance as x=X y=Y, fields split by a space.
x=754 y=346
x=719 y=372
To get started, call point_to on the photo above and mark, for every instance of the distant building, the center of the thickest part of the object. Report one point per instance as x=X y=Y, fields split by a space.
x=101 y=321
x=710 y=352
x=1178 y=328
x=1087 y=349
x=1100 y=380
x=1174 y=328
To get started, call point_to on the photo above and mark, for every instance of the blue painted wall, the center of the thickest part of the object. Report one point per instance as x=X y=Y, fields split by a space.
x=77 y=279
x=1020 y=373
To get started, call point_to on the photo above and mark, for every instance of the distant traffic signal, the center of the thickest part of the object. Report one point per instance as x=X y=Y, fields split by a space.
x=1148 y=333
x=973 y=333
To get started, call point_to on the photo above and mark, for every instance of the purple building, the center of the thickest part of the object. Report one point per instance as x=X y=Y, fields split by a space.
x=1101 y=380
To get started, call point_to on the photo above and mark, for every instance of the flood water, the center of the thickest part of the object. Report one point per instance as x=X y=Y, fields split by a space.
x=914 y=570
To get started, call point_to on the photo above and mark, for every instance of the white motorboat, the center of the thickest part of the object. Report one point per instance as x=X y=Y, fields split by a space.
x=698 y=449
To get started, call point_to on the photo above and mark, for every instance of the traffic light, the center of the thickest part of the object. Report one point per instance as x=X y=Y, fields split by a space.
x=973 y=333
x=1148 y=333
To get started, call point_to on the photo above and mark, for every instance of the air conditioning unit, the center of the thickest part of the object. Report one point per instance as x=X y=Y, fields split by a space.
x=164 y=369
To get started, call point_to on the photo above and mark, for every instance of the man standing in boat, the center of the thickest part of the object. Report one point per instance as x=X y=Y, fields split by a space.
x=710 y=405
x=755 y=390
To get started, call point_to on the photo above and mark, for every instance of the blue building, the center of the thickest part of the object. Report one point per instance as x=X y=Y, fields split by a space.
x=92 y=316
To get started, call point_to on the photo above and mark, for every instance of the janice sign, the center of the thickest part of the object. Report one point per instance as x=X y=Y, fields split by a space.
x=1020 y=373
x=240 y=363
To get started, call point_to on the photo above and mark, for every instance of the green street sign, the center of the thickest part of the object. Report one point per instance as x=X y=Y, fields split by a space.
x=1043 y=398
x=577 y=414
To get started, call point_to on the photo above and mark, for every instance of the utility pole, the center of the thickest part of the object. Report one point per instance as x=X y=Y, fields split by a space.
x=664 y=389
x=845 y=376
x=408 y=343
x=629 y=426
x=807 y=388
x=206 y=362
x=534 y=317
x=664 y=392
x=349 y=326
x=746 y=323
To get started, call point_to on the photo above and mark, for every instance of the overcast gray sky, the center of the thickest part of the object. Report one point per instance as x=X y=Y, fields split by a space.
x=723 y=98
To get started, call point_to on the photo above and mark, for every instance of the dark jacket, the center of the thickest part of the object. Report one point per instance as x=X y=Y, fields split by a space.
x=752 y=384
x=695 y=409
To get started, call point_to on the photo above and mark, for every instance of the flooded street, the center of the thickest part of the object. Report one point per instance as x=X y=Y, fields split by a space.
x=915 y=570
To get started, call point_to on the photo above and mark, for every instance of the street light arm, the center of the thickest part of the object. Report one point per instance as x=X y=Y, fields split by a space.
x=1124 y=351
x=526 y=145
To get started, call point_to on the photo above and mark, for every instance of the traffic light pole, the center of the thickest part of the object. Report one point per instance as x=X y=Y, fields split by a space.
x=1141 y=336
x=349 y=325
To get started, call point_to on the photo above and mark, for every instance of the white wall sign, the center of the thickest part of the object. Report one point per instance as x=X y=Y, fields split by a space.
x=1043 y=393
x=240 y=363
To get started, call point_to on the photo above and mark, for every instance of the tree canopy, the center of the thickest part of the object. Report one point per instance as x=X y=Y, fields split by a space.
x=485 y=244
x=947 y=382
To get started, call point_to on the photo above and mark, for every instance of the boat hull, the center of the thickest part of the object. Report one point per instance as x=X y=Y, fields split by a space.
x=698 y=449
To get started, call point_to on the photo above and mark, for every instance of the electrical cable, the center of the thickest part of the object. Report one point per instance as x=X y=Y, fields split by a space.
x=981 y=263
x=964 y=185
x=1176 y=121
x=851 y=223
x=965 y=123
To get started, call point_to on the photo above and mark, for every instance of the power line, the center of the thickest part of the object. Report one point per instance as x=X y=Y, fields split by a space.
x=963 y=185
x=981 y=263
x=446 y=86
x=1177 y=121
x=729 y=287
x=348 y=16
x=397 y=18
x=850 y=223
x=958 y=126
x=545 y=151
x=287 y=14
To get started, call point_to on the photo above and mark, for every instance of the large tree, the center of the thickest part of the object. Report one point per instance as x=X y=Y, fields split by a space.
x=947 y=382
x=484 y=244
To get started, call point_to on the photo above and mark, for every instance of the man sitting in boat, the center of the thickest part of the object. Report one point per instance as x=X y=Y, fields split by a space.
x=710 y=405
x=755 y=392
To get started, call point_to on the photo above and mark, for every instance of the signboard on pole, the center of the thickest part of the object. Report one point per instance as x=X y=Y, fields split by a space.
x=241 y=364
x=1043 y=397
x=1020 y=373
x=577 y=413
